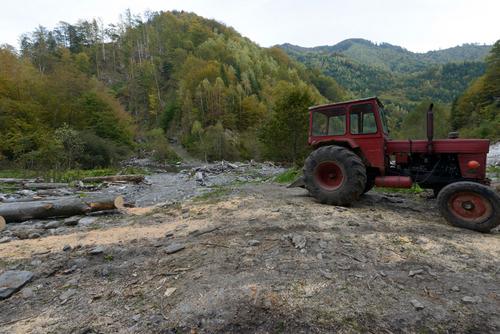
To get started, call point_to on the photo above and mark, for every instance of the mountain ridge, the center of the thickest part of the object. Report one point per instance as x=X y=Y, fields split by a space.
x=340 y=46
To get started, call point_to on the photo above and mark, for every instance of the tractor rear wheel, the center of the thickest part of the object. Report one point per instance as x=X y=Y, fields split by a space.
x=470 y=205
x=334 y=175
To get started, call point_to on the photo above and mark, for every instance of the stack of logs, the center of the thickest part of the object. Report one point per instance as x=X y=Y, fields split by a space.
x=40 y=208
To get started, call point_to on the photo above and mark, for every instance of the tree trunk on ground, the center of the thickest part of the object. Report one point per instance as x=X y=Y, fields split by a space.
x=64 y=207
x=115 y=178
x=30 y=185
x=2 y=223
x=16 y=181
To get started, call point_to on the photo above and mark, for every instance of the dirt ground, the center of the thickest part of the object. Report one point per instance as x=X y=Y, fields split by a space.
x=260 y=258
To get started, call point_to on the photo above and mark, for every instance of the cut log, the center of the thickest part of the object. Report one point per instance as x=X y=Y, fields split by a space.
x=115 y=178
x=2 y=223
x=31 y=185
x=64 y=207
x=16 y=181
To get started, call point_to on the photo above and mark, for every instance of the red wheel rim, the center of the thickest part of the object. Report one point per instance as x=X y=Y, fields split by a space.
x=470 y=206
x=329 y=175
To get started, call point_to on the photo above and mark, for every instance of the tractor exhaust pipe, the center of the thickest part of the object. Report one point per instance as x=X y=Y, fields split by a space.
x=430 y=128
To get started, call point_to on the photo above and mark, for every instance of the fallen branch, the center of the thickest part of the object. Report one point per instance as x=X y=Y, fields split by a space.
x=32 y=185
x=115 y=178
x=64 y=207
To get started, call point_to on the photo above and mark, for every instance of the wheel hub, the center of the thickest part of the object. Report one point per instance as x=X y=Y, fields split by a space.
x=470 y=206
x=329 y=175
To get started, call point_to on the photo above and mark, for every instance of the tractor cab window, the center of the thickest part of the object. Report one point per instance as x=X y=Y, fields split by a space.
x=329 y=122
x=362 y=119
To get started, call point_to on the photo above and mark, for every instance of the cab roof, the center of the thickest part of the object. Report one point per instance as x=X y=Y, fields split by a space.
x=338 y=104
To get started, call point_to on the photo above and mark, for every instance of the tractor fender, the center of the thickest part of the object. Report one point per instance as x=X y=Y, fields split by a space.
x=347 y=143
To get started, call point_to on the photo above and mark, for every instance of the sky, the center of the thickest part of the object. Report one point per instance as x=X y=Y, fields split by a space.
x=417 y=25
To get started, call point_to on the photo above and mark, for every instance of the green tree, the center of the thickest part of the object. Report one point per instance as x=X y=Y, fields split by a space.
x=285 y=133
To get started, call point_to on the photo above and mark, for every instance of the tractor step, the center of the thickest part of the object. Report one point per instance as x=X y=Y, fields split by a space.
x=299 y=183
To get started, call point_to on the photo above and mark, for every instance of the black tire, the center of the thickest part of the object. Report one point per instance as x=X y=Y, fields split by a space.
x=325 y=188
x=470 y=205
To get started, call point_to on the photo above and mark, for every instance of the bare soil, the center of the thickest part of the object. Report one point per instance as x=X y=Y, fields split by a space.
x=388 y=264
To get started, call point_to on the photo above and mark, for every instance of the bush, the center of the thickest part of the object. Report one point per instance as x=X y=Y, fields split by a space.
x=156 y=145
x=99 y=152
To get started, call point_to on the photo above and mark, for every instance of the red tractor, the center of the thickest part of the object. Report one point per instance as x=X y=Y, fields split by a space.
x=353 y=153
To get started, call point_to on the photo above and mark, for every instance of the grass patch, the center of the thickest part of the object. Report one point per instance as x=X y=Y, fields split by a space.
x=212 y=195
x=494 y=172
x=288 y=176
x=415 y=189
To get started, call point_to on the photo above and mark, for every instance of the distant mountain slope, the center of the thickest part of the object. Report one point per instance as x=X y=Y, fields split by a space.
x=395 y=58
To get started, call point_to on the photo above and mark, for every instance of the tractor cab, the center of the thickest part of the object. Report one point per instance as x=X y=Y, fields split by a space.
x=360 y=125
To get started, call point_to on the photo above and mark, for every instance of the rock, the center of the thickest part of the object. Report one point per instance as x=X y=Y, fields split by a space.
x=5 y=240
x=72 y=221
x=34 y=235
x=352 y=223
x=417 y=305
x=199 y=177
x=174 y=248
x=12 y=281
x=455 y=288
x=106 y=271
x=27 y=293
x=471 y=300
x=70 y=270
x=96 y=250
x=67 y=294
x=319 y=256
x=326 y=274
x=415 y=272
x=66 y=248
x=36 y=262
x=323 y=244
x=169 y=292
x=86 y=221
x=299 y=241
x=52 y=224
x=136 y=317
x=253 y=242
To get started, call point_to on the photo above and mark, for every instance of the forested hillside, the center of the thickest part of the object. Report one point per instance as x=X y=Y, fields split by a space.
x=477 y=111
x=54 y=115
x=402 y=79
x=174 y=73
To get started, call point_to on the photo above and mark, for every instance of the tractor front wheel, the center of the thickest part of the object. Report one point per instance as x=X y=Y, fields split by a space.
x=334 y=175
x=470 y=205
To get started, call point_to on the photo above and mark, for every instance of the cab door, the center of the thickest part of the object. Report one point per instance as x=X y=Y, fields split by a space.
x=365 y=129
